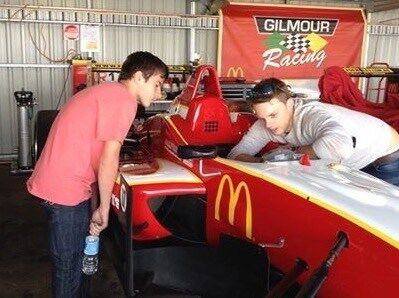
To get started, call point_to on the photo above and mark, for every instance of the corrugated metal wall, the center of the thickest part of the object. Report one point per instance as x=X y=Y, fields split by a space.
x=305 y=2
x=384 y=44
x=117 y=42
x=383 y=47
x=51 y=86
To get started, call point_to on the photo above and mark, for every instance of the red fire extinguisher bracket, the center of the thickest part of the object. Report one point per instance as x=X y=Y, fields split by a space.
x=81 y=74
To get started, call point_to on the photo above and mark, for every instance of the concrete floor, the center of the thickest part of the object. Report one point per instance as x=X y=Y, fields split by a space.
x=24 y=259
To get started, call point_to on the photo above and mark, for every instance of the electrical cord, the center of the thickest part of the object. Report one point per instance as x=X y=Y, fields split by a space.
x=63 y=88
x=188 y=240
x=71 y=53
x=170 y=207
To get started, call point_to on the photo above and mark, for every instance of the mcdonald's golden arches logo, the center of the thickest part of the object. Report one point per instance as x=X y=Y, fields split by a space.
x=235 y=72
x=233 y=199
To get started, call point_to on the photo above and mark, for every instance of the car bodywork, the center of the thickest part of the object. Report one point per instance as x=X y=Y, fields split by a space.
x=288 y=209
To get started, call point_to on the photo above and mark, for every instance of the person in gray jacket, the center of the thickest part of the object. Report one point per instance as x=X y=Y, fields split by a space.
x=321 y=130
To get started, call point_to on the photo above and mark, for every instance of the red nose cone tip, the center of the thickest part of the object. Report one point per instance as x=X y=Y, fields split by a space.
x=304 y=160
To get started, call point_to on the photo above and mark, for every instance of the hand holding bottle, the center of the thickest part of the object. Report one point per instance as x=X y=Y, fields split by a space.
x=90 y=257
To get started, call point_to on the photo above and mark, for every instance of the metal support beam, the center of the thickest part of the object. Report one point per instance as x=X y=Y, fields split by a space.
x=388 y=30
x=25 y=65
x=60 y=15
x=8 y=157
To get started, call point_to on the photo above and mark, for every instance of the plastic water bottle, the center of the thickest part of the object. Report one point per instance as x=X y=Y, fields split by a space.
x=90 y=258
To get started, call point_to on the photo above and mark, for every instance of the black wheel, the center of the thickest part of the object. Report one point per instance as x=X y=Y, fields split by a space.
x=44 y=120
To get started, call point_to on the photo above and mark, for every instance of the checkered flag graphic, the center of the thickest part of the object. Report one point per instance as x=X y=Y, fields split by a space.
x=296 y=42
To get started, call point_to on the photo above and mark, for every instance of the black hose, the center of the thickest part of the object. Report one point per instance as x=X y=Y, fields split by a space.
x=318 y=277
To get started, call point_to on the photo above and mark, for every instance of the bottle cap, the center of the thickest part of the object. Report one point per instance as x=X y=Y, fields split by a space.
x=92 y=243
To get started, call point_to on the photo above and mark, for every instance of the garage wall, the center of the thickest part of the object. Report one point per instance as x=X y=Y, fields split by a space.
x=383 y=45
x=384 y=37
x=341 y=3
x=50 y=81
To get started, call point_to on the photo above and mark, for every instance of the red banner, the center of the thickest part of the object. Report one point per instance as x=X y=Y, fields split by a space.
x=259 y=41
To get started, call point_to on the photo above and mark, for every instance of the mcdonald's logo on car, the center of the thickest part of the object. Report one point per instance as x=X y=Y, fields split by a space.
x=234 y=195
x=235 y=72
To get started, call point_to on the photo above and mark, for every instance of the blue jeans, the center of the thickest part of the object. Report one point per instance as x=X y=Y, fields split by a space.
x=68 y=227
x=388 y=172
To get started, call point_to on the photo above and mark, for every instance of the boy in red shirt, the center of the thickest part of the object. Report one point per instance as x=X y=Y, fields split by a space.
x=83 y=148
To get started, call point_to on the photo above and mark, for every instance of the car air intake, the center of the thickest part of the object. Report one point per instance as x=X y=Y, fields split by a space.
x=211 y=126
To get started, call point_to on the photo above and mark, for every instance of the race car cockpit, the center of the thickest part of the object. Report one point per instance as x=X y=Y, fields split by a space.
x=203 y=118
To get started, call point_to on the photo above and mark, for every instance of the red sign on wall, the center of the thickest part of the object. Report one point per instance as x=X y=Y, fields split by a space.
x=71 y=32
x=259 y=41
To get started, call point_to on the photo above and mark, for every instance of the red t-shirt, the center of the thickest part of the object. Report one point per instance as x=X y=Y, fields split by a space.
x=69 y=161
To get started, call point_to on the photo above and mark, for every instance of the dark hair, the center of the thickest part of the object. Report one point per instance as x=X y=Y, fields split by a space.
x=145 y=62
x=270 y=88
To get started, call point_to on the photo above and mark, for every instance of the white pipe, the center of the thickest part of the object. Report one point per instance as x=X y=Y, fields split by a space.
x=24 y=51
x=191 y=47
x=366 y=49
x=89 y=6
x=103 y=24
x=15 y=65
x=8 y=156
x=100 y=11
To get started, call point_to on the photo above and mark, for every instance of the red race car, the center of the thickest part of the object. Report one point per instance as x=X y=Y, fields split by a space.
x=184 y=216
